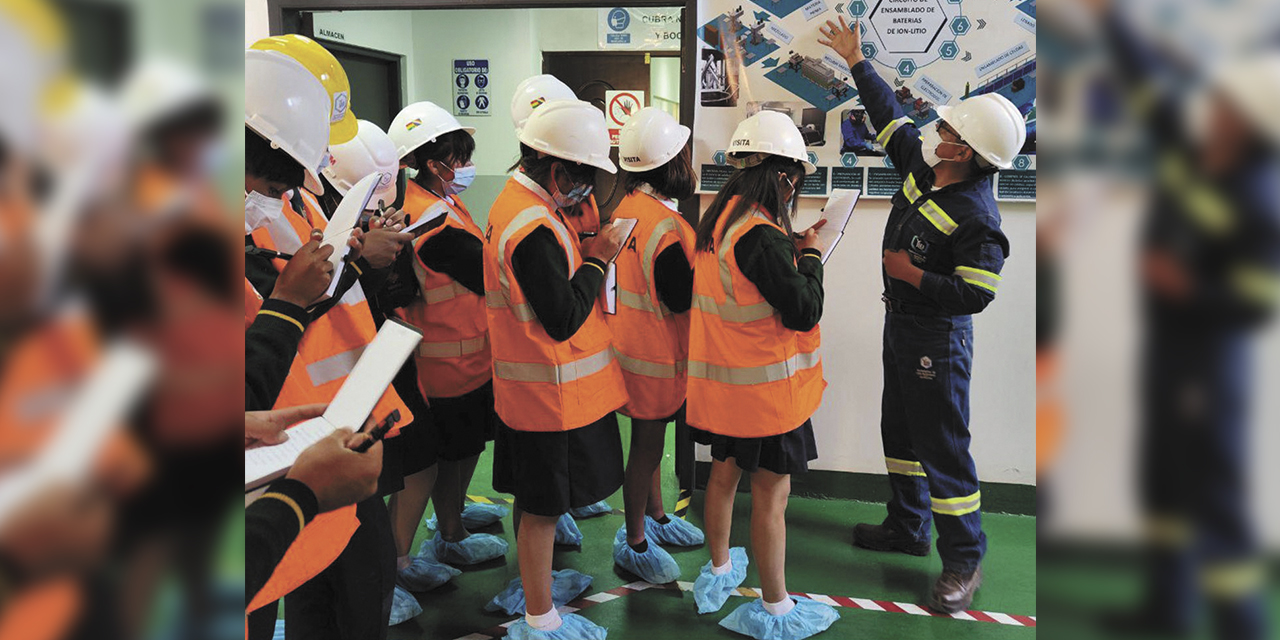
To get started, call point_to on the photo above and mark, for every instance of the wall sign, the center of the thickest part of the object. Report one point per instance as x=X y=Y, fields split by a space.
x=654 y=29
x=619 y=107
x=471 y=87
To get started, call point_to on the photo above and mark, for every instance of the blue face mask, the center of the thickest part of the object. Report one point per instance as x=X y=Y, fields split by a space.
x=462 y=178
x=571 y=199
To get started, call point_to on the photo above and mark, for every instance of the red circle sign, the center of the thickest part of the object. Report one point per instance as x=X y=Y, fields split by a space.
x=622 y=107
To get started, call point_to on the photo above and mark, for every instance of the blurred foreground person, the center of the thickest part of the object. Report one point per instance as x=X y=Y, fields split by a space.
x=1210 y=274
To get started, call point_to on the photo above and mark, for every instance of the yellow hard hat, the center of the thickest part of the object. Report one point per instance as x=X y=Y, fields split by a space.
x=342 y=123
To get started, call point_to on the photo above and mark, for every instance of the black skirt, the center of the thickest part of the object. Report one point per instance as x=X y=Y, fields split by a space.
x=550 y=472
x=417 y=445
x=784 y=454
x=465 y=423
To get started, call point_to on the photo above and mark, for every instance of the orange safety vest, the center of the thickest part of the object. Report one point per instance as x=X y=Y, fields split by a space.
x=453 y=358
x=1051 y=412
x=45 y=611
x=540 y=384
x=749 y=376
x=252 y=303
x=650 y=342
x=334 y=341
x=329 y=349
x=41 y=373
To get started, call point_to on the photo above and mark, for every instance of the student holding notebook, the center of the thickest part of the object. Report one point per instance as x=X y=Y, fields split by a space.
x=555 y=380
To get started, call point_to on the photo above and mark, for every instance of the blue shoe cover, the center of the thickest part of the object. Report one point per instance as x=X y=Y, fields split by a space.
x=424 y=572
x=591 y=510
x=566 y=586
x=655 y=565
x=403 y=606
x=473 y=549
x=676 y=532
x=572 y=627
x=805 y=619
x=476 y=515
x=567 y=531
x=711 y=591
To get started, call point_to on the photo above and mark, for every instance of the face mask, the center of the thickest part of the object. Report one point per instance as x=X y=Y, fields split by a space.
x=462 y=178
x=929 y=147
x=259 y=209
x=568 y=200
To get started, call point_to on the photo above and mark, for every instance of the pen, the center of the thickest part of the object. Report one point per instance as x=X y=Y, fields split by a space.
x=379 y=431
x=259 y=251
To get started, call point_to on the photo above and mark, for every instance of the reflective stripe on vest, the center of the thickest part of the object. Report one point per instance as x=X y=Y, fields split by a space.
x=551 y=373
x=755 y=375
x=335 y=366
x=454 y=349
x=522 y=220
x=522 y=312
x=647 y=368
x=447 y=292
x=730 y=310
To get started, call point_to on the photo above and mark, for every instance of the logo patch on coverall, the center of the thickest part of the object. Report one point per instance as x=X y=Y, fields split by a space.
x=925 y=371
x=919 y=247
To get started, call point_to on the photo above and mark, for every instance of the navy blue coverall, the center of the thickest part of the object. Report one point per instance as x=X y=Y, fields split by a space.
x=953 y=234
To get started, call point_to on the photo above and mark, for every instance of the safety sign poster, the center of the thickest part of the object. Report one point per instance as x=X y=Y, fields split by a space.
x=764 y=54
x=635 y=29
x=471 y=87
x=619 y=106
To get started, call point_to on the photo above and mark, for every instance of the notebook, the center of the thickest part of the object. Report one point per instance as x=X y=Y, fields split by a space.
x=350 y=407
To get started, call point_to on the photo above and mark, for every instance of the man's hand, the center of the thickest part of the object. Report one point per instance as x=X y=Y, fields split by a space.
x=307 y=274
x=383 y=242
x=262 y=428
x=898 y=265
x=846 y=42
x=337 y=475
x=64 y=529
x=605 y=245
x=809 y=239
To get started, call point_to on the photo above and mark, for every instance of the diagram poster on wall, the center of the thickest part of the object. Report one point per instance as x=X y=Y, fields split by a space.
x=764 y=54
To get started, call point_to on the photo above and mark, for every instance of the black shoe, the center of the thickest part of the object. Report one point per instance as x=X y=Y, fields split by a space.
x=953 y=592
x=879 y=537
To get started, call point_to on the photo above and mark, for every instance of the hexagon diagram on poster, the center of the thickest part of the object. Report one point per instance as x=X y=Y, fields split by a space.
x=764 y=54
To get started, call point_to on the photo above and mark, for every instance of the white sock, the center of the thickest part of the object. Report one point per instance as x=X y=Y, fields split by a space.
x=778 y=608
x=722 y=569
x=549 y=621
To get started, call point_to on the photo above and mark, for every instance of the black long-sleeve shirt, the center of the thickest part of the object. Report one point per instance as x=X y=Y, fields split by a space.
x=673 y=278
x=271 y=524
x=767 y=257
x=560 y=303
x=270 y=345
x=457 y=254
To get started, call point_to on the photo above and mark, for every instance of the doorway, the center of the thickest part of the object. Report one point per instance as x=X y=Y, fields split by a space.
x=375 y=81
x=592 y=74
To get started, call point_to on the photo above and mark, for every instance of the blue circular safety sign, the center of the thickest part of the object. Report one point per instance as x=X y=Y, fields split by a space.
x=482 y=102
x=462 y=81
x=619 y=19
x=482 y=81
x=463 y=102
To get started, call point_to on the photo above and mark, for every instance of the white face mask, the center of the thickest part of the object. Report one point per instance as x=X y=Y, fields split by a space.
x=259 y=209
x=929 y=146
x=462 y=178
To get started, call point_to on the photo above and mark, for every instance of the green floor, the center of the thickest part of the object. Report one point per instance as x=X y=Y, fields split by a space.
x=819 y=560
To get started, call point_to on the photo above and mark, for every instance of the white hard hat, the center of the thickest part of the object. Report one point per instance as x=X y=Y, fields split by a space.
x=285 y=104
x=421 y=123
x=770 y=133
x=650 y=139
x=160 y=88
x=991 y=125
x=570 y=130
x=371 y=151
x=532 y=92
x=1252 y=84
